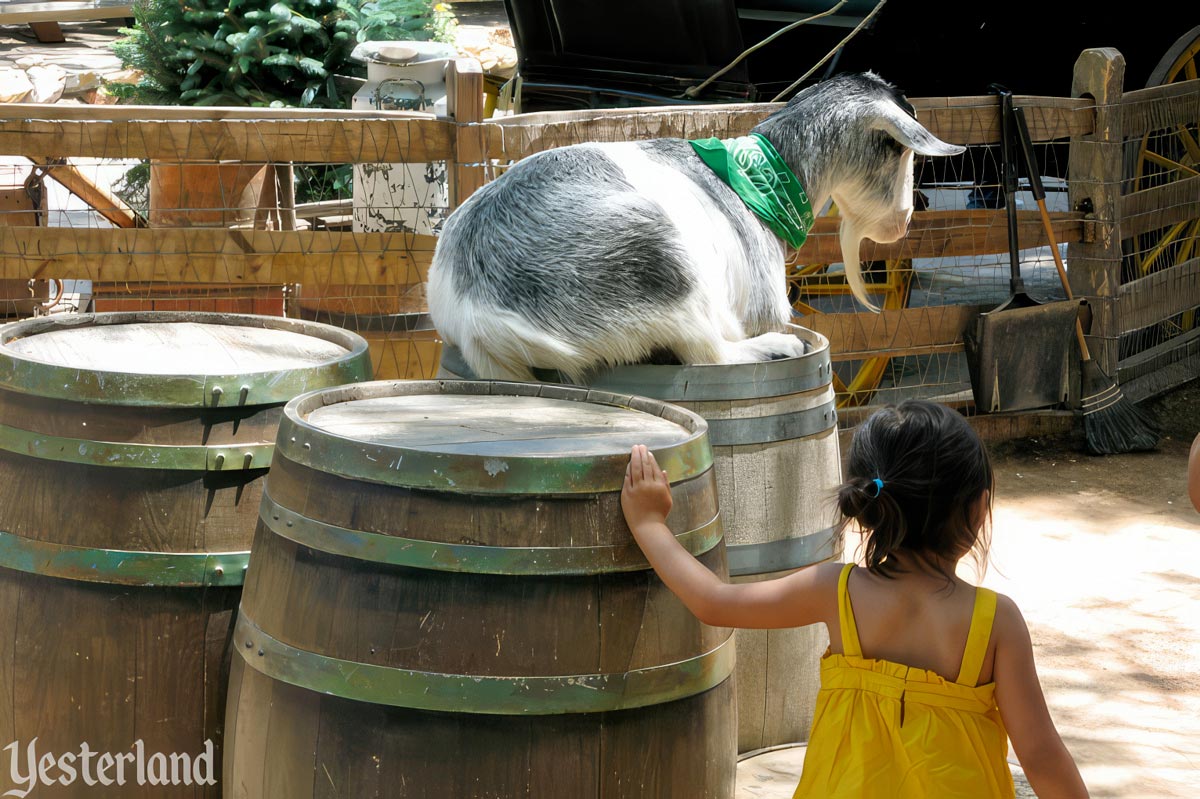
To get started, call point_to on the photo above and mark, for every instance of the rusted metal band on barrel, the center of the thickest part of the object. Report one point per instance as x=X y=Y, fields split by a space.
x=465 y=693
x=323 y=451
x=136 y=456
x=782 y=555
x=697 y=382
x=470 y=558
x=135 y=389
x=122 y=567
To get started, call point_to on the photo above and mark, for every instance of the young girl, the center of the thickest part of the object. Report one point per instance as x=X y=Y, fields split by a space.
x=926 y=677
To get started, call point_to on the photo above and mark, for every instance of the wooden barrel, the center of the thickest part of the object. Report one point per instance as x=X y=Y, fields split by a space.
x=773 y=429
x=404 y=346
x=133 y=448
x=444 y=602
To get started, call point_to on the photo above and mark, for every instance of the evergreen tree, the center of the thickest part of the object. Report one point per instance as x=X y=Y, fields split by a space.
x=262 y=52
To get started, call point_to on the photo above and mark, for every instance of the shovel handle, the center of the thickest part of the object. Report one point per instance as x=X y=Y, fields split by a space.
x=1031 y=164
x=1062 y=275
x=1008 y=166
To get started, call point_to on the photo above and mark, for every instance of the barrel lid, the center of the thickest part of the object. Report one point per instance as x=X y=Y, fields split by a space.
x=165 y=359
x=488 y=437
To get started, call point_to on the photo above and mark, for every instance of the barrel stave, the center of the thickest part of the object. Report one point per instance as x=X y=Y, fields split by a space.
x=127 y=509
x=99 y=678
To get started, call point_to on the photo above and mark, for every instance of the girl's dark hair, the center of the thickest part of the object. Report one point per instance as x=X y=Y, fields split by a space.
x=933 y=468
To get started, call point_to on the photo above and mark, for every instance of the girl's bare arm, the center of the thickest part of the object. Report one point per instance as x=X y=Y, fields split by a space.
x=801 y=598
x=1048 y=765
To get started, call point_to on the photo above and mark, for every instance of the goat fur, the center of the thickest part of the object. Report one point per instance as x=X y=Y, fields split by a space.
x=595 y=255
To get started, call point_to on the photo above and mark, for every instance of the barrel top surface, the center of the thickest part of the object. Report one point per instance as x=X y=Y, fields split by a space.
x=500 y=426
x=163 y=349
x=488 y=437
x=175 y=359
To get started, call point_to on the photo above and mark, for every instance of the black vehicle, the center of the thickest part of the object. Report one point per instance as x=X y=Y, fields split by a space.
x=651 y=52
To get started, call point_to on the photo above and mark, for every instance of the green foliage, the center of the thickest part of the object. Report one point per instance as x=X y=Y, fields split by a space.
x=319 y=182
x=134 y=188
x=408 y=20
x=262 y=52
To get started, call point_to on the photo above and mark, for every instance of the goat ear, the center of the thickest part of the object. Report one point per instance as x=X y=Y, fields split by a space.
x=911 y=133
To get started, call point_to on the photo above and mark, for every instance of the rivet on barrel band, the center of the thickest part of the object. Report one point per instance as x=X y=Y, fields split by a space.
x=136 y=456
x=466 y=693
x=122 y=567
x=470 y=558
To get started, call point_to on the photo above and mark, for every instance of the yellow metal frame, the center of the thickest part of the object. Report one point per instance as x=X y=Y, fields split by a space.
x=1181 y=241
x=811 y=280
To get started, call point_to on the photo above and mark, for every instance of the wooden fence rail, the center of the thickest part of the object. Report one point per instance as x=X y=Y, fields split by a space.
x=961 y=120
x=323 y=140
x=215 y=255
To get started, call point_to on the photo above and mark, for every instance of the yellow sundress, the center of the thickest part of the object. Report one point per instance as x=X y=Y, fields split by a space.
x=886 y=730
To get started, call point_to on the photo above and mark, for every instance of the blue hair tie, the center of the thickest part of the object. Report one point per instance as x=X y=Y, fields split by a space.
x=878 y=487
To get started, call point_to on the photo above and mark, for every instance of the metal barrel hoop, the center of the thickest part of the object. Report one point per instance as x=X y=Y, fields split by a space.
x=470 y=558
x=481 y=694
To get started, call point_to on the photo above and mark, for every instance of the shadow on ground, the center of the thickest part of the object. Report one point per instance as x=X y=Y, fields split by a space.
x=1103 y=557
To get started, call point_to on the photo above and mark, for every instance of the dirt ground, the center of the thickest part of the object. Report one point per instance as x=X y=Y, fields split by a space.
x=1102 y=555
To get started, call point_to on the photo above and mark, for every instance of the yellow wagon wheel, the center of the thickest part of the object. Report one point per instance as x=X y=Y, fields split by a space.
x=1167 y=156
x=854 y=382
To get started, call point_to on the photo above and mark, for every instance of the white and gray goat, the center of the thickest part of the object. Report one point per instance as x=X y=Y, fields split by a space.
x=604 y=254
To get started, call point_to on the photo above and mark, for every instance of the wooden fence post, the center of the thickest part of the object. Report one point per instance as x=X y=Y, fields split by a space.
x=1095 y=174
x=464 y=84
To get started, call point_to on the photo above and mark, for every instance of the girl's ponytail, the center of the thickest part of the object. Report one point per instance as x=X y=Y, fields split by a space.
x=868 y=502
x=917 y=473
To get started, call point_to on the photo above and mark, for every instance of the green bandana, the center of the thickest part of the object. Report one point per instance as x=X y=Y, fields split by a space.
x=752 y=168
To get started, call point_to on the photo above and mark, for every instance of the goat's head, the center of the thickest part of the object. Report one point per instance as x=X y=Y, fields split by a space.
x=852 y=139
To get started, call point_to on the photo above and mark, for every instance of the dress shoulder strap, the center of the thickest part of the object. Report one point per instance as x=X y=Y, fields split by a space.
x=850 y=644
x=977 y=637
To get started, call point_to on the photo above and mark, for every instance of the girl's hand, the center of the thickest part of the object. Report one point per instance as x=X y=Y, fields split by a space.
x=646 y=495
x=803 y=597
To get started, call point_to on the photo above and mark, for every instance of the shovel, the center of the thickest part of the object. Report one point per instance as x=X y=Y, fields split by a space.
x=1018 y=353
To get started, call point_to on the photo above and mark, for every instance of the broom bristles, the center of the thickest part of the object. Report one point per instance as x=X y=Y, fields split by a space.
x=1111 y=422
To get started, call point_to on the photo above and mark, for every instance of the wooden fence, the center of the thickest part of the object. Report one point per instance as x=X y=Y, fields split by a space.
x=1106 y=211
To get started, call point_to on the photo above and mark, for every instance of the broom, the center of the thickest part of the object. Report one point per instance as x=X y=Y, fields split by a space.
x=1112 y=424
